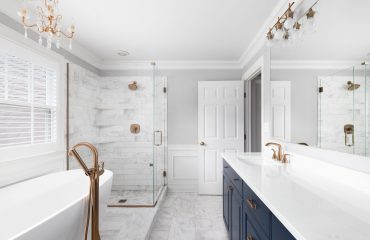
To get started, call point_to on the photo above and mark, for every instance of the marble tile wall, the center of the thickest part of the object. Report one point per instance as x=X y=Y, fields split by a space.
x=102 y=110
x=339 y=106
x=129 y=155
x=83 y=99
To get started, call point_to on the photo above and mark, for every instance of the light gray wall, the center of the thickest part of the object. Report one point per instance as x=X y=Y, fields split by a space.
x=304 y=90
x=183 y=98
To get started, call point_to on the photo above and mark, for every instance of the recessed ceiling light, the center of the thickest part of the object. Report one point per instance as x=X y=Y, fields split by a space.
x=123 y=53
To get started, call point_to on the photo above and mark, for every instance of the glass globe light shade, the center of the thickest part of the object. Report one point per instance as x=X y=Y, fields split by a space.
x=279 y=34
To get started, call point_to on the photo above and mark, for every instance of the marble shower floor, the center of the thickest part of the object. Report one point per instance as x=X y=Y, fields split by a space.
x=129 y=223
x=189 y=216
x=131 y=197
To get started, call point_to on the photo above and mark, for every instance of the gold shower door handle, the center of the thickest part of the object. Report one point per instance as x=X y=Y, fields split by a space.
x=155 y=138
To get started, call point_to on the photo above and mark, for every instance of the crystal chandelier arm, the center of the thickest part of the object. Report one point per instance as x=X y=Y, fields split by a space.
x=70 y=35
x=26 y=24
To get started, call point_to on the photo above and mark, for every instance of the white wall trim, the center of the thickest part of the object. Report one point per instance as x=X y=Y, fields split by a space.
x=312 y=64
x=145 y=65
x=183 y=178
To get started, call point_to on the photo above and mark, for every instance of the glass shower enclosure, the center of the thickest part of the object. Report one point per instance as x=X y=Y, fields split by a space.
x=343 y=110
x=125 y=117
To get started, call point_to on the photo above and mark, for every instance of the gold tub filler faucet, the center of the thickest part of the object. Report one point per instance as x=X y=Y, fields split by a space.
x=93 y=173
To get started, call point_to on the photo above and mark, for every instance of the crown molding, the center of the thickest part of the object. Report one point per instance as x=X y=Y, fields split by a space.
x=146 y=65
x=312 y=64
x=11 y=26
x=258 y=41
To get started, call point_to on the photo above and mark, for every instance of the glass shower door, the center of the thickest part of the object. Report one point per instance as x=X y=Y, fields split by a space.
x=159 y=132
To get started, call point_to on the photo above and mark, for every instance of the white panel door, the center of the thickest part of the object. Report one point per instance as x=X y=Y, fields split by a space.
x=280 y=110
x=220 y=129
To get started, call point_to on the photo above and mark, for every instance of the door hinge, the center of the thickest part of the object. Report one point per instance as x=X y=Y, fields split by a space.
x=164 y=173
x=245 y=95
x=165 y=90
x=321 y=89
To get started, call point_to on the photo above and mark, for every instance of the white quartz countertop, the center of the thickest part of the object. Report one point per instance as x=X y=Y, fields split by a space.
x=313 y=199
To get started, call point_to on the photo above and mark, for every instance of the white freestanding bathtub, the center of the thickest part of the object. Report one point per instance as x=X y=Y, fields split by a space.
x=51 y=207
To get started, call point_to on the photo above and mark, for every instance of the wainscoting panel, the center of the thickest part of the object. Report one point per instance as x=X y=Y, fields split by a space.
x=183 y=168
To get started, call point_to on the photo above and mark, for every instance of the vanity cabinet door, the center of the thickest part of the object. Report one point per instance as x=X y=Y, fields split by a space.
x=226 y=202
x=279 y=232
x=236 y=216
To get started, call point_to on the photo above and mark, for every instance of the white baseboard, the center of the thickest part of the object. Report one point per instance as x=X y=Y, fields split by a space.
x=183 y=168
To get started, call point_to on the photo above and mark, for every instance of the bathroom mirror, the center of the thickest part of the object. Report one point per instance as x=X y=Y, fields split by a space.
x=320 y=78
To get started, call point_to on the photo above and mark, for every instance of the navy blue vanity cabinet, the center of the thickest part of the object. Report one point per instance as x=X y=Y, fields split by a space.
x=232 y=203
x=226 y=201
x=258 y=213
x=279 y=232
x=236 y=216
x=246 y=216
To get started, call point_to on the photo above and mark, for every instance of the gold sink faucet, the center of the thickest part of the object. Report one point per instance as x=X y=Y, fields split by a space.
x=279 y=155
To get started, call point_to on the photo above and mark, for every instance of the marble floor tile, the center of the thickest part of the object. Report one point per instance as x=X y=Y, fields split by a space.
x=132 y=223
x=189 y=216
x=131 y=197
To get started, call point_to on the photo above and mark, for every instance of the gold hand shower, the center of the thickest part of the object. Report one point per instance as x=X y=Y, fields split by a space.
x=93 y=173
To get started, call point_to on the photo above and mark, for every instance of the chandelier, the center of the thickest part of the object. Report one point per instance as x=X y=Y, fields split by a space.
x=289 y=26
x=47 y=24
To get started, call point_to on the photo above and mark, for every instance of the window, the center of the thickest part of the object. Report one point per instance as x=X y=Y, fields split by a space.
x=27 y=102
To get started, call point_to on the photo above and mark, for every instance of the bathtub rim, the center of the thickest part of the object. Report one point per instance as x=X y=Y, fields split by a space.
x=108 y=178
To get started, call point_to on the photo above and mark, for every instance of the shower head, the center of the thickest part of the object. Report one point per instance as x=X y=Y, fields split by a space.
x=352 y=86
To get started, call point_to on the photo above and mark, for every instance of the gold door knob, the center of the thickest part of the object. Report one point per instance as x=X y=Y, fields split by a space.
x=202 y=143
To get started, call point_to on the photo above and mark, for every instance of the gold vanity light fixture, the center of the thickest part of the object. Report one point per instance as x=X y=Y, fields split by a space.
x=289 y=26
x=48 y=23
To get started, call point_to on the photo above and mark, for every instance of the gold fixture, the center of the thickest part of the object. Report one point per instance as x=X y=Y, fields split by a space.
x=132 y=86
x=279 y=156
x=352 y=86
x=285 y=158
x=349 y=136
x=303 y=144
x=289 y=26
x=93 y=202
x=250 y=237
x=48 y=23
x=135 y=128
x=251 y=203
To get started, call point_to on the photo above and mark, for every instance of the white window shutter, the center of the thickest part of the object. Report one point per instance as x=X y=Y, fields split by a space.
x=27 y=102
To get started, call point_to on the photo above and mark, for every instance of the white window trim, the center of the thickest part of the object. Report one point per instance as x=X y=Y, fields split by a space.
x=17 y=45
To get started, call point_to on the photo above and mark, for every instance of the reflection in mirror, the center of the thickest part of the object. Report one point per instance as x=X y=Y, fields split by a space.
x=320 y=81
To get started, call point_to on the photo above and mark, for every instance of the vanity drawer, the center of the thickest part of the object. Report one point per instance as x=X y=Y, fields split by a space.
x=234 y=177
x=254 y=234
x=256 y=210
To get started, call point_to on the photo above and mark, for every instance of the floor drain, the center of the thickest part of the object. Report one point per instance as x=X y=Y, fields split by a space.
x=122 y=201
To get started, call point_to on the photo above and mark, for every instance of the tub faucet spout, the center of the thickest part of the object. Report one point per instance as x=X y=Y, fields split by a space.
x=93 y=173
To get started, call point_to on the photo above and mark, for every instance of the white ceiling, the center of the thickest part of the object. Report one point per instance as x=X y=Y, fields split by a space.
x=167 y=30
x=343 y=34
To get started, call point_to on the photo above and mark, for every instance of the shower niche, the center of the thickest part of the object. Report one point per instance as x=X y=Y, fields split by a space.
x=123 y=123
